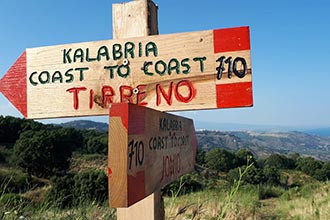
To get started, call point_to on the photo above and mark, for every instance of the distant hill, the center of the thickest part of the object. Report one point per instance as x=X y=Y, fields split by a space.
x=261 y=143
x=86 y=125
x=241 y=127
x=319 y=131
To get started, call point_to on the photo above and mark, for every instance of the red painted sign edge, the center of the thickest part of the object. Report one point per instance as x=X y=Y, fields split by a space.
x=137 y=115
x=231 y=39
x=233 y=94
x=128 y=114
x=136 y=187
x=13 y=84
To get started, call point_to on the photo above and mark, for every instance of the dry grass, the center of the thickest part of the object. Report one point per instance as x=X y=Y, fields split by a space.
x=81 y=163
x=36 y=195
x=311 y=202
x=209 y=204
x=88 y=212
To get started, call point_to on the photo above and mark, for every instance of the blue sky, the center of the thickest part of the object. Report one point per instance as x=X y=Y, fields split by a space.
x=290 y=48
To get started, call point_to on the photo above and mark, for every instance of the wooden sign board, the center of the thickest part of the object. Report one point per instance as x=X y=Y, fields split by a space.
x=148 y=149
x=187 y=71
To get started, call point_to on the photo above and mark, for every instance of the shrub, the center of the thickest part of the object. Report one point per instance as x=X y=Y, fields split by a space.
x=5 y=154
x=200 y=157
x=12 y=200
x=186 y=184
x=15 y=181
x=97 y=145
x=322 y=174
x=272 y=175
x=61 y=191
x=220 y=160
x=94 y=142
x=308 y=165
x=308 y=190
x=243 y=155
x=73 y=190
x=91 y=185
x=46 y=152
x=267 y=191
x=279 y=161
x=290 y=194
x=11 y=128
x=253 y=175
x=2 y=157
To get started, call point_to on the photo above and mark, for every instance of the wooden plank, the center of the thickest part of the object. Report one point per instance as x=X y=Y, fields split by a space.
x=148 y=150
x=117 y=150
x=138 y=17
x=164 y=72
x=152 y=207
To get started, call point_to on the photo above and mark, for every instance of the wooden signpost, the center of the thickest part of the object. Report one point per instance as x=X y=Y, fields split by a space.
x=198 y=70
x=148 y=150
x=138 y=19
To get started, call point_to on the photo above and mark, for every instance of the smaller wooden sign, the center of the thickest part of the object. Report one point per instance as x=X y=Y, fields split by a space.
x=148 y=149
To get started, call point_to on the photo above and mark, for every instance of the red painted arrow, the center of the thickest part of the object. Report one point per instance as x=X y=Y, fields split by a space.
x=13 y=84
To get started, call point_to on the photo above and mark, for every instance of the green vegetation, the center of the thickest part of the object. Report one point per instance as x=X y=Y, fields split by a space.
x=42 y=174
x=89 y=186
x=45 y=152
x=310 y=202
x=231 y=188
x=51 y=172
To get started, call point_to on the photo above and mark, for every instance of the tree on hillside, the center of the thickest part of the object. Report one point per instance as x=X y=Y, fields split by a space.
x=46 y=152
x=279 y=161
x=271 y=175
x=323 y=174
x=326 y=168
x=294 y=156
x=200 y=157
x=71 y=137
x=97 y=144
x=220 y=160
x=243 y=156
x=253 y=175
x=308 y=165
x=9 y=129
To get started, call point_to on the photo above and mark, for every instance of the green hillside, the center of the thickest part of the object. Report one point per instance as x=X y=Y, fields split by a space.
x=52 y=172
x=263 y=144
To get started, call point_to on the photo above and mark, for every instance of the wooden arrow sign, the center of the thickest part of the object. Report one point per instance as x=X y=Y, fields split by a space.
x=148 y=149
x=188 y=71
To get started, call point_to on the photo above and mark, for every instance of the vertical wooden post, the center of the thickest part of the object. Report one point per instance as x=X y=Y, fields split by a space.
x=134 y=19
x=150 y=208
x=138 y=19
